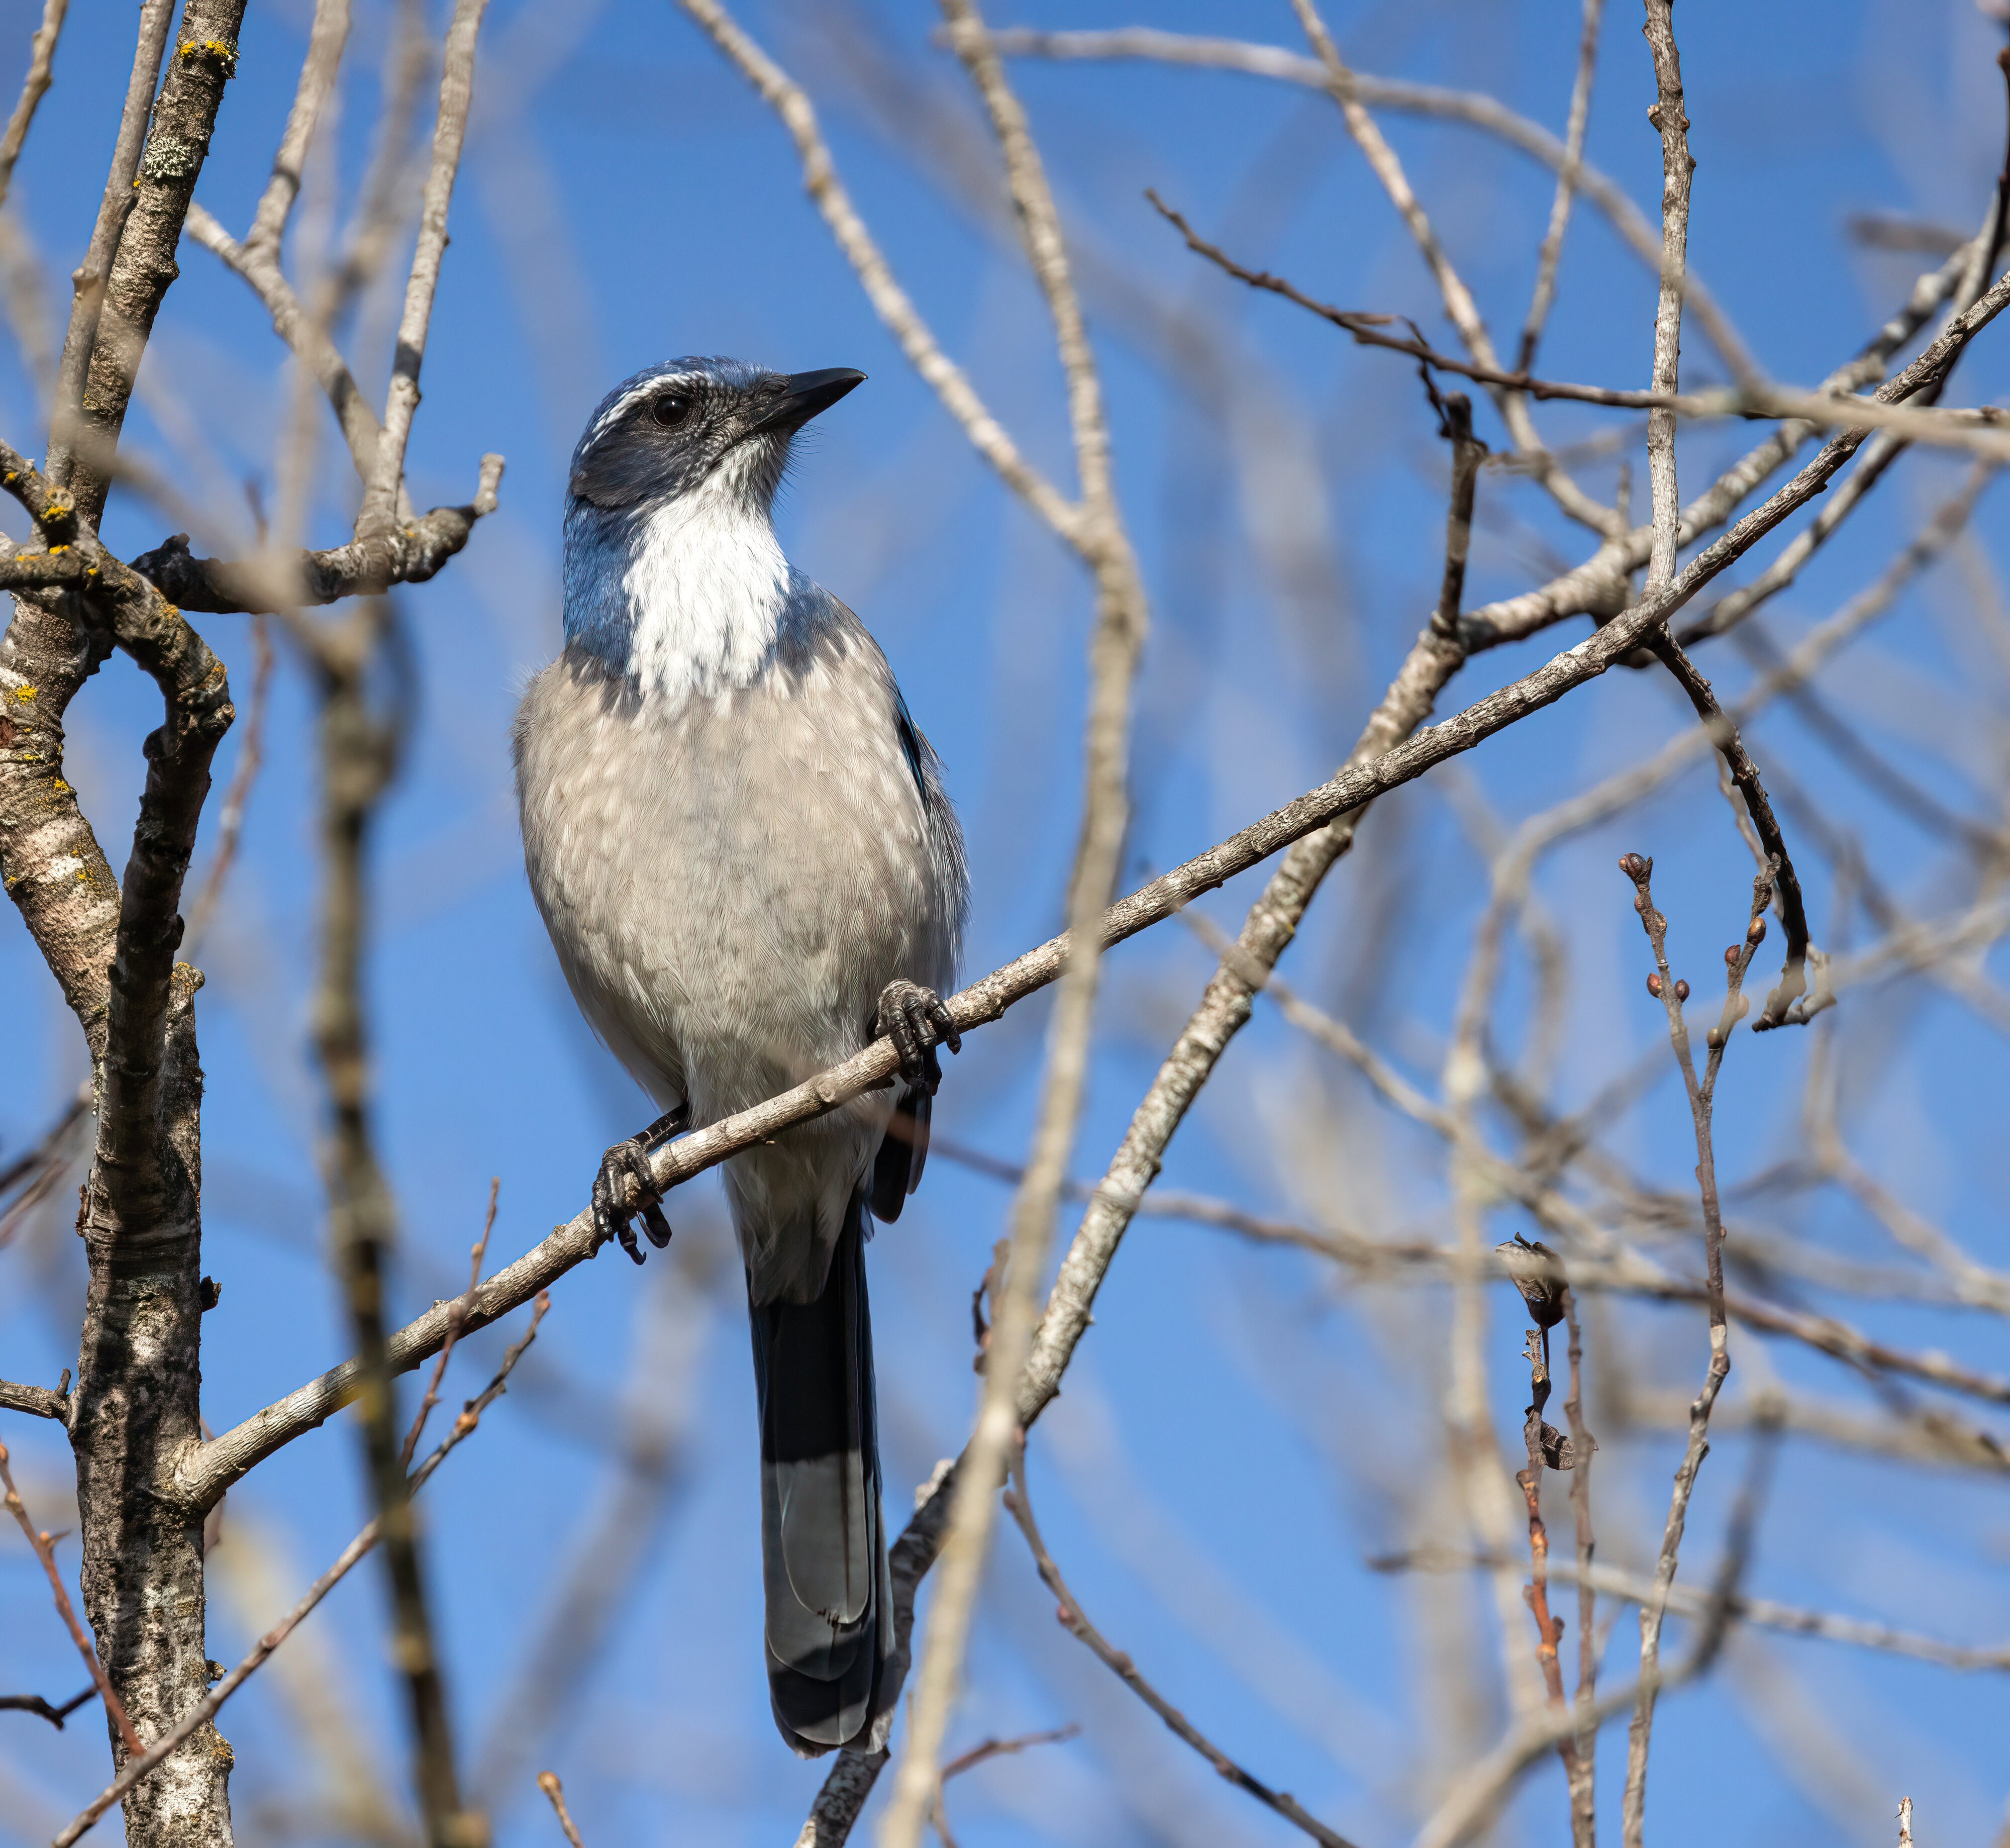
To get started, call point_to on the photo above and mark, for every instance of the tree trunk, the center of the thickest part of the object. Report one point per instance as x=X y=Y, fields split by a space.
x=136 y=1412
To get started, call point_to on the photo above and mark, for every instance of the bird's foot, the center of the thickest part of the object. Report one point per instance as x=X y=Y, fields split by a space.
x=915 y=1020
x=631 y=1160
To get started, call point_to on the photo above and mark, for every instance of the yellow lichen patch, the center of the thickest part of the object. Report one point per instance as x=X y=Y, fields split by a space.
x=24 y=692
x=61 y=788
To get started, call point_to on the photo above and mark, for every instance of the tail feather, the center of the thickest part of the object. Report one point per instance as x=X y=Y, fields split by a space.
x=823 y=1544
x=903 y=1153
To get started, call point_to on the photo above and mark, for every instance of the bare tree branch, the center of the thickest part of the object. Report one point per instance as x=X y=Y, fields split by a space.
x=1118 y=641
x=34 y=86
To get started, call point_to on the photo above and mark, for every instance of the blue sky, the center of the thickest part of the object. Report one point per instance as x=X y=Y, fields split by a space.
x=1242 y=1429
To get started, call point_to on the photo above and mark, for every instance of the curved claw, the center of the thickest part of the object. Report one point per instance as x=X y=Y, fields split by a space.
x=914 y=1018
x=630 y=1158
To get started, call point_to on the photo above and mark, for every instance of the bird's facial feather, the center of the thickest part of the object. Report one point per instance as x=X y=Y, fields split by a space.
x=669 y=431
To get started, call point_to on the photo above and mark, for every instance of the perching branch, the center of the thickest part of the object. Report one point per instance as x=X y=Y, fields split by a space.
x=218 y=1464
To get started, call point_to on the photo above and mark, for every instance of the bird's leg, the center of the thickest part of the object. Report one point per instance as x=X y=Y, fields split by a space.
x=915 y=1020
x=631 y=1158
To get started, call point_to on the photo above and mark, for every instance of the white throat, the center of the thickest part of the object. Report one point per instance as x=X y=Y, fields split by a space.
x=707 y=589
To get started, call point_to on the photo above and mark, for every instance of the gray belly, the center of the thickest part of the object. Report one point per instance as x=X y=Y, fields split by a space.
x=729 y=884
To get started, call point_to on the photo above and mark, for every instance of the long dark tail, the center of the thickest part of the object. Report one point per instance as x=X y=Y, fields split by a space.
x=823 y=1545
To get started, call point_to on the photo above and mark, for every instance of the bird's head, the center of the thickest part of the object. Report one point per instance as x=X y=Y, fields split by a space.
x=697 y=426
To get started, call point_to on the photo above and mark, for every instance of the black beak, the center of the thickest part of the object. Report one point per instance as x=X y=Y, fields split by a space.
x=804 y=394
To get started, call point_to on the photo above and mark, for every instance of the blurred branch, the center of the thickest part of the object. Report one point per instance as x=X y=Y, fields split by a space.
x=326 y=38
x=380 y=495
x=34 y=86
x=35 y=1173
x=547 y=1782
x=1767 y=1613
x=1568 y=175
x=827 y=192
x=1100 y=537
x=1474 y=108
x=230 y=817
x=1463 y=311
x=300 y=332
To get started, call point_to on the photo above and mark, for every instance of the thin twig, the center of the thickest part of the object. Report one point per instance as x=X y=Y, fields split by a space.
x=230 y=816
x=1475 y=109
x=1076 y=1621
x=889 y=300
x=456 y=1322
x=1766 y=1613
x=1583 y=1782
x=1977 y=431
x=547 y=1782
x=1547 y=260
x=979 y=1754
x=1745 y=773
x=1548 y=1629
x=45 y=1551
x=1672 y=992
x=34 y=86
x=1459 y=305
x=43 y=1709
x=207 y=1709
x=380 y=498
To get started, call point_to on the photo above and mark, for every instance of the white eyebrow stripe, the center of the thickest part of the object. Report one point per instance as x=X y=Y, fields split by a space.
x=627 y=399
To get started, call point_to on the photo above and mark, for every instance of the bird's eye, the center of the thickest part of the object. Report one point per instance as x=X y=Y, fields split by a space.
x=672 y=409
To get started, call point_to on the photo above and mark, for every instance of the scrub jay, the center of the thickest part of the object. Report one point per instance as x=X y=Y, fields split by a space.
x=742 y=849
